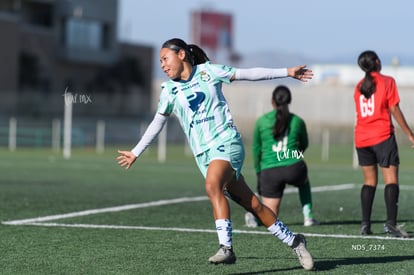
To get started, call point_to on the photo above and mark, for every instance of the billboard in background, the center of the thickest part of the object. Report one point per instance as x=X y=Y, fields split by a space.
x=212 y=30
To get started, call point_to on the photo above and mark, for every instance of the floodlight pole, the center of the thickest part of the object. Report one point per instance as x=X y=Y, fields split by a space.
x=162 y=145
x=12 y=133
x=325 y=145
x=67 y=126
x=100 y=136
x=56 y=125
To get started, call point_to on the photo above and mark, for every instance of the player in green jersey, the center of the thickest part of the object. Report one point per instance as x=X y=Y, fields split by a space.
x=194 y=95
x=280 y=139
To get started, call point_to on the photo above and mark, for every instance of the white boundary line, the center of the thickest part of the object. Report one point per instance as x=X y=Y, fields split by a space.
x=153 y=203
x=104 y=210
x=41 y=221
x=196 y=230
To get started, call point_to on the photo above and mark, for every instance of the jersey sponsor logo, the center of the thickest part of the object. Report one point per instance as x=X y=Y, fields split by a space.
x=202 y=120
x=195 y=100
x=205 y=119
x=185 y=88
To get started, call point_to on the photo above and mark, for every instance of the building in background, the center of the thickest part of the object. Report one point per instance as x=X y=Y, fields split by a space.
x=213 y=31
x=52 y=47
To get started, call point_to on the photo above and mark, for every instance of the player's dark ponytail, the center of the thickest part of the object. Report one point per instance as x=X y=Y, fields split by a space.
x=282 y=98
x=198 y=54
x=194 y=54
x=369 y=62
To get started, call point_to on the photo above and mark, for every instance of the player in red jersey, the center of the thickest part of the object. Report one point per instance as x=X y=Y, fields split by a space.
x=376 y=101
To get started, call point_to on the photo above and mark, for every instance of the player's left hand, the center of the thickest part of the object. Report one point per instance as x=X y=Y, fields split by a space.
x=411 y=138
x=301 y=73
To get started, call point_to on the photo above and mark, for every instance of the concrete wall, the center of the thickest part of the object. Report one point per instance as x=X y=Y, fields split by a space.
x=324 y=107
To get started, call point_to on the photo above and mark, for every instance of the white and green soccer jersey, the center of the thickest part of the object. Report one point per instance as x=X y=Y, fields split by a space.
x=199 y=105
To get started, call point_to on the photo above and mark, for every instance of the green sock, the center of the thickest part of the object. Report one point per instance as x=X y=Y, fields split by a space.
x=305 y=197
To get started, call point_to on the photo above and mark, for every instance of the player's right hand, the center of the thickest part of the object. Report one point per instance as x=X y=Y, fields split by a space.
x=126 y=159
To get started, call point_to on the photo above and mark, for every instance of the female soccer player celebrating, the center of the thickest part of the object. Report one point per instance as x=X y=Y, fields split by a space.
x=376 y=99
x=194 y=95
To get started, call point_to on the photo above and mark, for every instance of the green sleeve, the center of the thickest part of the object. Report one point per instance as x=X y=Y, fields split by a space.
x=303 y=135
x=257 y=146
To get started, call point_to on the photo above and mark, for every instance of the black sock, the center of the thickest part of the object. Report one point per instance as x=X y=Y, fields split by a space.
x=391 y=193
x=367 y=198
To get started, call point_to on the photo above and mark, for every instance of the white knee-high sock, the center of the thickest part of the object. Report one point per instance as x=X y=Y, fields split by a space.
x=280 y=230
x=224 y=232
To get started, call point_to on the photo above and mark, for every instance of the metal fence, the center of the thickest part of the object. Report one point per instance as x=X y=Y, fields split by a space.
x=42 y=133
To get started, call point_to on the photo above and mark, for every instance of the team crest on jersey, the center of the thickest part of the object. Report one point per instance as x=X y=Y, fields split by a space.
x=205 y=76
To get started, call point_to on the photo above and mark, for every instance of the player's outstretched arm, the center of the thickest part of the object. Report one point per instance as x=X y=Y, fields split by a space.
x=255 y=74
x=126 y=159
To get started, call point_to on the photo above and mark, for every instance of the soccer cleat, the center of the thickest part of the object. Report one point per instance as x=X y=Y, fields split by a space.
x=366 y=229
x=395 y=230
x=224 y=255
x=310 y=222
x=299 y=247
x=250 y=220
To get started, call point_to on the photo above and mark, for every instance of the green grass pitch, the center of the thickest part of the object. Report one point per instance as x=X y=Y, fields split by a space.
x=149 y=239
